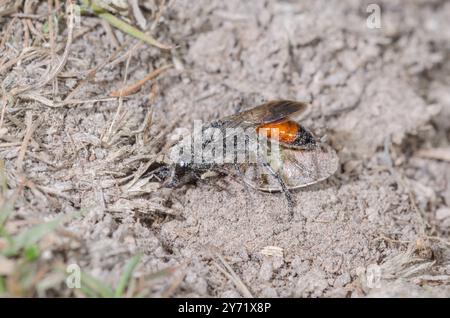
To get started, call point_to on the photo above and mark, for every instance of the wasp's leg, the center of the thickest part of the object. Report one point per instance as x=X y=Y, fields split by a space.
x=287 y=193
x=161 y=173
x=172 y=179
x=263 y=161
x=179 y=176
x=289 y=198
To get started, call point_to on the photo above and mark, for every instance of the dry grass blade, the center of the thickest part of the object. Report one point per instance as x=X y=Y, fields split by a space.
x=7 y=33
x=26 y=140
x=442 y=154
x=53 y=72
x=405 y=265
x=111 y=129
x=52 y=35
x=4 y=104
x=437 y=279
x=231 y=275
x=10 y=144
x=138 y=15
x=47 y=102
x=26 y=54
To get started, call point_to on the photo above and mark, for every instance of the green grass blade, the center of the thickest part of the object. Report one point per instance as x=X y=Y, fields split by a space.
x=94 y=287
x=5 y=212
x=126 y=276
x=2 y=286
x=89 y=292
x=123 y=26
x=33 y=235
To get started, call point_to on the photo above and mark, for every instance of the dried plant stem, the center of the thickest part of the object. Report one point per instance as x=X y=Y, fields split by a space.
x=26 y=141
x=135 y=87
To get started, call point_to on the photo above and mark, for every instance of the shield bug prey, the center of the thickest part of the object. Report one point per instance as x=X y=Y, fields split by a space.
x=268 y=149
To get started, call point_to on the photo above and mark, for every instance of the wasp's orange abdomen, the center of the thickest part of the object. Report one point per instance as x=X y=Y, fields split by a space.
x=288 y=130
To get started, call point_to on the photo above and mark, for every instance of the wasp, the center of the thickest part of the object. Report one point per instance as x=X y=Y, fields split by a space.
x=268 y=149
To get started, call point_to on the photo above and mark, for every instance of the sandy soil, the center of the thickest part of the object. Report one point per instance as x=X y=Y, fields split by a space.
x=380 y=95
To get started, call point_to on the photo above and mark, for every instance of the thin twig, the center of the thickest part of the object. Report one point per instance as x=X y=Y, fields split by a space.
x=442 y=154
x=26 y=140
x=229 y=272
x=135 y=87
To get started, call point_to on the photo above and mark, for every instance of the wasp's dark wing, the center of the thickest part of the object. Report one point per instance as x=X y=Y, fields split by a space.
x=266 y=113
